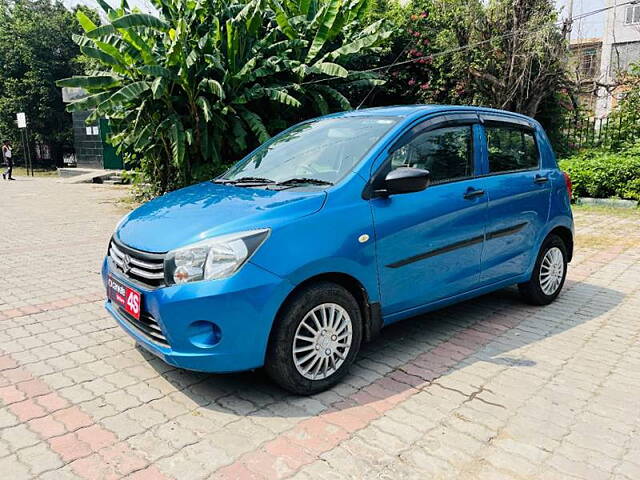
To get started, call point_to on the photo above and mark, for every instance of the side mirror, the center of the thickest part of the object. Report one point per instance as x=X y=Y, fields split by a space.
x=404 y=180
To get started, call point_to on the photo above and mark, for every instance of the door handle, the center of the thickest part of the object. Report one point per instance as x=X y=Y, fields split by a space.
x=473 y=193
x=540 y=179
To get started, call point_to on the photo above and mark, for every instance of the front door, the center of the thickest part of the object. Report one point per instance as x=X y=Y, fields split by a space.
x=429 y=243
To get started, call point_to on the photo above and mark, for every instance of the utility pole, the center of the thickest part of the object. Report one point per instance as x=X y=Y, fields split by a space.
x=569 y=20
x=26 y=134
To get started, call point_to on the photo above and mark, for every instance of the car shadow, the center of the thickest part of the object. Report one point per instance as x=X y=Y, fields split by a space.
x=411 y=353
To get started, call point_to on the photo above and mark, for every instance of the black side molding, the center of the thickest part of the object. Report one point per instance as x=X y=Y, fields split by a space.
x=506 y=231
x=454 y=246
x=437 y=251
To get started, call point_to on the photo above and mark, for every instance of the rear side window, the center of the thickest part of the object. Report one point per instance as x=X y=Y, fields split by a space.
x=511 y=149
x=445 y=152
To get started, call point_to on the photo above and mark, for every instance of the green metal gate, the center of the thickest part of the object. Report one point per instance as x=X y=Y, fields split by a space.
x=110 y=158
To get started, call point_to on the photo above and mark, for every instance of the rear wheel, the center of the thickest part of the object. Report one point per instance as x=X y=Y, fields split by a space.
x=316 y=338
x=549 y=273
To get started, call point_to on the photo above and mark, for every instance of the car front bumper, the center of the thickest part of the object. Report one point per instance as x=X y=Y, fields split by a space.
x=210 y=326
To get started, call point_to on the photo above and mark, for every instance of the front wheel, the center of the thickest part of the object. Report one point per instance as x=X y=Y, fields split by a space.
x=316 y=338
x=549 y=273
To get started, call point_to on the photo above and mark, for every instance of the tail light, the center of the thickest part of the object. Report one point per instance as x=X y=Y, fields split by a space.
x=567 y=182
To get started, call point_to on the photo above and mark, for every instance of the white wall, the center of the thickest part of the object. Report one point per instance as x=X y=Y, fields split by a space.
x=620 y=46
x=616 y=31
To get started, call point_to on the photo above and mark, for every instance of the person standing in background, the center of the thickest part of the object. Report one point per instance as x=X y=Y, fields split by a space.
x=8 y=160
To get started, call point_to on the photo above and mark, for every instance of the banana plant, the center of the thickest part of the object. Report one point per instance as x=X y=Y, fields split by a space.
x=193 y=88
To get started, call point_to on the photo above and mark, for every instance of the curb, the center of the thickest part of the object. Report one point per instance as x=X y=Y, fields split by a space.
x=607 y=202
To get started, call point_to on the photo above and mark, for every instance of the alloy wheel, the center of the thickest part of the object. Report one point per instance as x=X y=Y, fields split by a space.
x=551 y=271
x=322 y=341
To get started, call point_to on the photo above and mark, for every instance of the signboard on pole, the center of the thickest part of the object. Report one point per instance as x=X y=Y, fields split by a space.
x=24 y=133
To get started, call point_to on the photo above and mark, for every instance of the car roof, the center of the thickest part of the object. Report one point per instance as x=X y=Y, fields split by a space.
x=393 y=111
x=417 y=110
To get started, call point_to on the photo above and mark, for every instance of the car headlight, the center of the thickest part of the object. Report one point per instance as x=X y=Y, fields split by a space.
x=214 y=258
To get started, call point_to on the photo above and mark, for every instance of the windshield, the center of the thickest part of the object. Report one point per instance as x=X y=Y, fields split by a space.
x=320 y=152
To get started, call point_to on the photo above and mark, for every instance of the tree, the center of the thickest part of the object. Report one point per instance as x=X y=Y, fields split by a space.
x=428 y=69
x=626 y=114
x=507 y=54
x=524 y=57
x=194 y=88
x=36 y=49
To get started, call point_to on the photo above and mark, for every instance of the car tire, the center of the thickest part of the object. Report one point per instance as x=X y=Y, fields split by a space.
x=549 y=273
x=294 y=329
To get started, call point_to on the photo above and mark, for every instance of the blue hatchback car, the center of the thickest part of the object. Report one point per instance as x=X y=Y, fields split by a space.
x=335 y=228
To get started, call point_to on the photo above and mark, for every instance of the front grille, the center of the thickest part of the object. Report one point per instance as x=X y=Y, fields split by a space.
x=147 y=325
x=140 y=267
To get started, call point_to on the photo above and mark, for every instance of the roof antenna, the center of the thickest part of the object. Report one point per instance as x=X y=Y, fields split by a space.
x=366 y=96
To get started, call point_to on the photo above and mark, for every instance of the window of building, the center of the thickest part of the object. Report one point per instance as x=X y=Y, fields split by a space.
x=632 y=15
x=92 y=130
x=445 y=152
x=511 y=149
x=588 y=62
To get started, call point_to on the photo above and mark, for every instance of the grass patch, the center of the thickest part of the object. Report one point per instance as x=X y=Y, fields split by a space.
x=598 y=242
x=128 y=202
x=606 y=210
x=22 y=172
x=618 y=227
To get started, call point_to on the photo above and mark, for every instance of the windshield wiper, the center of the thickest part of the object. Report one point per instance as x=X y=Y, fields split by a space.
x=252 y=180
x=302 y=181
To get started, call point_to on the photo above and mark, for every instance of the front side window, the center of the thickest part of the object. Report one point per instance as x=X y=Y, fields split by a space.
x=325 y=150
x=511 y=149
x=445 y=152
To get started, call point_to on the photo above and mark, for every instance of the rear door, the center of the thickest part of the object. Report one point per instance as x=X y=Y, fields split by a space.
x=518 y=192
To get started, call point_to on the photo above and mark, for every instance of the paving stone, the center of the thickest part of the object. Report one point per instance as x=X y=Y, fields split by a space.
x=150 y=446
x=487 y=389
x=39 y=458
x=14 y=468
x=19 y=437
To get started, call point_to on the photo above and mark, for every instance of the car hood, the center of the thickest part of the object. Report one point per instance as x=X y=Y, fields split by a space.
x=205 y=210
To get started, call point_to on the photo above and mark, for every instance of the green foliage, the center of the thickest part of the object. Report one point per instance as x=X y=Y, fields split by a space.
x=603 y=174
x=190 y=91
x=578 y=129
x=425 y=29
x=499 y=53
x=556 y=115
x=627 y=112
x=36 y=49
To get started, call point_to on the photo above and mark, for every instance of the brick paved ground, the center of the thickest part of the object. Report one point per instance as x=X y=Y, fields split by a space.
x=488 y=389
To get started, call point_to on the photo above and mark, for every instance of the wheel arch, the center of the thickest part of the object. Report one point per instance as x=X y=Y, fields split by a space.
x=371 y=316
x=567 y=237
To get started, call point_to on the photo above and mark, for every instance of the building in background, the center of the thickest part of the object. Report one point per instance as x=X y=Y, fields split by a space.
x=89 y=140
x=604 y=41
x=586 y=54
x=620 y=48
